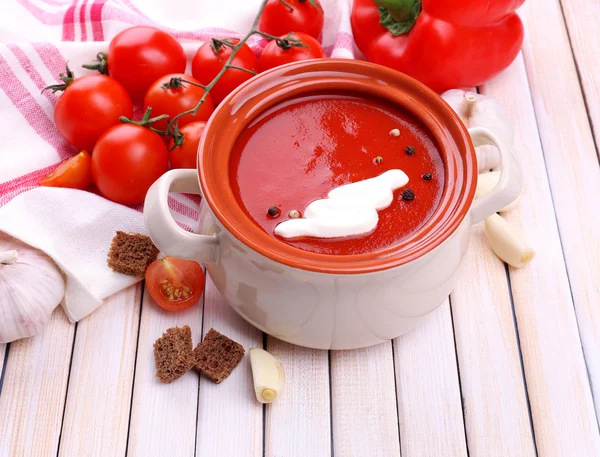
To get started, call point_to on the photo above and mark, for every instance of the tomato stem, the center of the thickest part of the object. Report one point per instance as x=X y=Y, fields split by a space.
x=290 y=42
x=313 y=3
x=176 y=83
x=147 y=121
x=287 y=5
x=67 y=79
x=100 y=64
x=216 y=44
x=247 y=70
x=284 y=43
x=172 y=128
x=268 y=36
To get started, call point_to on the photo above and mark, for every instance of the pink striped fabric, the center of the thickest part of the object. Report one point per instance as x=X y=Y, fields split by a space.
x=28 y=105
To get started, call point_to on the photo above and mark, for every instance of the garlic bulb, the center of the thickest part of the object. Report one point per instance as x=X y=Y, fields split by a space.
x=31 y=286
x=476 y=110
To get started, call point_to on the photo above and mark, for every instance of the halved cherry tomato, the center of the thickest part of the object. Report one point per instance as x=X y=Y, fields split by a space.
x=74 y=173
x=184 y=156
x=89 y=106
x=281 y=17
x=175 y=284
x=289 y=48
x=172 y=94
x=211 y=58
x=126 y=161
x=140 y=55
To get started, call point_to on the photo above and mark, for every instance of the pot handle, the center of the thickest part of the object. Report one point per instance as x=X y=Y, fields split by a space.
x=509 y=186
x=162 y=228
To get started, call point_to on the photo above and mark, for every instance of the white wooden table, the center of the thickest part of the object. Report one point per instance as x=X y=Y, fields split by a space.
x=508 y=366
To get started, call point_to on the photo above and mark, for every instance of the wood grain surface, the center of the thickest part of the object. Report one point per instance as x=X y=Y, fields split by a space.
x=509 y=366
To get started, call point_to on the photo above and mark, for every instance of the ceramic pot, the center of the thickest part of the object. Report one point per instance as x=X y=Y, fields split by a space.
x=317 y=300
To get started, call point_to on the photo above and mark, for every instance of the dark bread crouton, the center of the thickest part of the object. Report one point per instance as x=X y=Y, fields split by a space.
x=131 y=253
x=173 y=354
x=217 y=356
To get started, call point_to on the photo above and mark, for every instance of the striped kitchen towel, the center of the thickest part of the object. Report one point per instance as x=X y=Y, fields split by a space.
x=37 y=38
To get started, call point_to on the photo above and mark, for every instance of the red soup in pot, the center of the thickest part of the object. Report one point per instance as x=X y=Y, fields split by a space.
x=297 y=152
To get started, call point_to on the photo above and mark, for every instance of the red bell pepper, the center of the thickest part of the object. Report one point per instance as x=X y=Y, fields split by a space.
x=445 y=44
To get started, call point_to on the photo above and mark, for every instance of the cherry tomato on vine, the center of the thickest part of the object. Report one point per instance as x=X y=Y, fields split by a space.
x=283 y=16
x=126 y=161
x=184 y=156
x=211 y=58
x=289 y=48
x=175 y=284
x=172 y=94
x=73 y=173
x=140 y=55
x=88 y=107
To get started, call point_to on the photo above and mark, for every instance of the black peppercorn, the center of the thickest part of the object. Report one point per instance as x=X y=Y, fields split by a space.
x=408 y=194
x=378 y=159
x=273 y=211
x=427 y=176
x=410 y=150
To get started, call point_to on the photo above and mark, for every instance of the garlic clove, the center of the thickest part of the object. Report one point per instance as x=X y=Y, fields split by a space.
x=477 y=110
x=31 y=286
x=486 y=182
x=506 y=242
x=267 y=374
x=488 y=157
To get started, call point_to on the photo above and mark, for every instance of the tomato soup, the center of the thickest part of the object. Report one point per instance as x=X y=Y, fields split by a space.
x=299 y=151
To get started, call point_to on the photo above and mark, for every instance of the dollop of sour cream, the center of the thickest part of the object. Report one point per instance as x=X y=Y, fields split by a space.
x=348 y=210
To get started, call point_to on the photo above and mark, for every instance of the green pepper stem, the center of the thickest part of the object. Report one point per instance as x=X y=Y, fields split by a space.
x=400 y=10
x=398 y=16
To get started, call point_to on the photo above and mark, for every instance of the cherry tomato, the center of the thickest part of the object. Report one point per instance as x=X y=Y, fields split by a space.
x=184 y=156
x=126 y=161
x=283 y=50
x=175 y=284
x=74 y=173
x=169 y=96
x=211 y=58
x=140 y=55
x=280 y=18
x=89 y=106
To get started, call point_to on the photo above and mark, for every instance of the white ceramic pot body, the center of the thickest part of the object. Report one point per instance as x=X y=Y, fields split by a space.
x=317 y=309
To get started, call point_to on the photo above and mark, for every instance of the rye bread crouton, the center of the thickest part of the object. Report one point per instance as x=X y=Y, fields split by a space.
x=131 y=253
x=217 y=356
x=173 y=354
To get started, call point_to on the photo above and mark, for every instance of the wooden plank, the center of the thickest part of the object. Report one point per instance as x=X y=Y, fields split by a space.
x=298 y=422
x=96 y=416
x=493 y=394
x=364 y=410
x=33 y=394
x=495 y=404
x=163 y=416
x=572 y=163
x=429 y=402
x=230 y=419
x=2 y=357
x=562 y=408
x=583 y=22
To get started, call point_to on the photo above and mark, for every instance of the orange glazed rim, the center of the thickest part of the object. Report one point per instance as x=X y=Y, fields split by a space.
x=357 y=78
